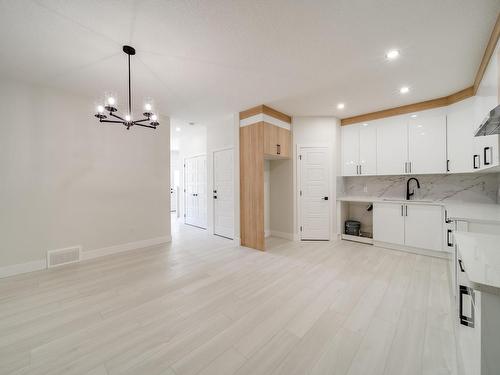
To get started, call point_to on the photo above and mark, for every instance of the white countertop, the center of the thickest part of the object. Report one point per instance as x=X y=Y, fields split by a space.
x=387 y=200
x=487 y=213
x=481 y=259
x=476 y=212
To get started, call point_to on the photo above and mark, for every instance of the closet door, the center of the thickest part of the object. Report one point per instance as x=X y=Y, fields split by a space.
x=190 y=211
x=201 y=191
x=392 y=146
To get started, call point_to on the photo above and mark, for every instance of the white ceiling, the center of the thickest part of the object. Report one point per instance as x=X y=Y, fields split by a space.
x=201 y=58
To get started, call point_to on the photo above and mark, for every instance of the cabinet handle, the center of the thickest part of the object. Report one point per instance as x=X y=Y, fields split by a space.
x=486 y=149
x=409 y=164
x=464 y=319
x=360 y=169
x=447 y=165
x=474 y=158
x=402 y=212
x=278 y=149
x=448 y=238
x=406 y=167
x=406 y=210
x=460 y=264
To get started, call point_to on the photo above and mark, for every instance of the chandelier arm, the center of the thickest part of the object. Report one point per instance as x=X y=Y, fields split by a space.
x=112 y=121
x=118 y=117
x=146 y=126
x=144 y=119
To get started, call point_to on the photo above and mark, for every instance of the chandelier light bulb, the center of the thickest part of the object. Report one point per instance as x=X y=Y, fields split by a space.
x=128 y=118
x=100 y=109
x=148 y=107
x=154 y=118
x=111 y=100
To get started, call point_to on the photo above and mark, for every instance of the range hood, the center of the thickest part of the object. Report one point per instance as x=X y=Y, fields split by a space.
x=491 y=124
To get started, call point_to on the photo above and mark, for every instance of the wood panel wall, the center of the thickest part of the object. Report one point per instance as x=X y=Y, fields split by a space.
x=252 y=186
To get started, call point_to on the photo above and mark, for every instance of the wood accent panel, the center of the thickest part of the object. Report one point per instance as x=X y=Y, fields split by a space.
x=409 y=108
x=252 y=186
x=488 y=52
x=267 y=111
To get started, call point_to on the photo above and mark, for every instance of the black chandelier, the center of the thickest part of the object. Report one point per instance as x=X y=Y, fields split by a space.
x=150 y=119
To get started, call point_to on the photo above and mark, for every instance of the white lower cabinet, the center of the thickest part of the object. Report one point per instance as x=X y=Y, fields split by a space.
x=414 y=225
x=388 y=223
x=424 y=226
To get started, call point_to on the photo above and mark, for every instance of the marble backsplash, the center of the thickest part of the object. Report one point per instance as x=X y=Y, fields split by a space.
x=471 y=187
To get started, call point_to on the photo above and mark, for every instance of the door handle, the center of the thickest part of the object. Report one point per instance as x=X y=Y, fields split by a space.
x=474 y=158
x=215 y=196
x=215 y=191
x=325 y=198
x=486 y=162
x=449 y=242
x=278 y=149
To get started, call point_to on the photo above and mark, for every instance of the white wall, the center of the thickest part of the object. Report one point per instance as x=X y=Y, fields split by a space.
x=317 y=131
x=67 y=180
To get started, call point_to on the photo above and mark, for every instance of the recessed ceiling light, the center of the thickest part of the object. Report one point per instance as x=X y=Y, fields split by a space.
x=177 y=129
x=365 y=124
x=413 y=116
x=340 y=106
x=404 y=89
x=392 y=54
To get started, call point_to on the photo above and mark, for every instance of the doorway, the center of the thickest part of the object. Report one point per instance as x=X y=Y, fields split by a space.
x=314 y=191
x=223 y=192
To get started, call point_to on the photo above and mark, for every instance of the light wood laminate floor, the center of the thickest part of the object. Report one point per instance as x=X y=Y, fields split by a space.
x=202 y=306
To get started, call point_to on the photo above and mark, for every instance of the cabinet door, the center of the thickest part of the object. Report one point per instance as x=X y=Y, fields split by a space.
x=392 y=145
x=270 y=139
x=424 y=226
x=284 y=142
x=388 y=223
x=460 y=137
x=486 y=151
x=427 y=144
x=368 y=149
x=350 y=150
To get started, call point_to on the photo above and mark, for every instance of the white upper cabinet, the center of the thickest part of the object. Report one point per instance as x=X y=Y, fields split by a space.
x=350 y=150
x=359 y=150
x=392 y=145
x=368 y=149
x=461 y=121
x=427 y=143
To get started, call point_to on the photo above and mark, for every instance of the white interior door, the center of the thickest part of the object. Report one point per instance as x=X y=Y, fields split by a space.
x=314 y=193
x=223 y=193
x=195 y=185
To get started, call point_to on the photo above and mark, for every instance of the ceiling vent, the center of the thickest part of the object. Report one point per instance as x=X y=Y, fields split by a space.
x=60 y=257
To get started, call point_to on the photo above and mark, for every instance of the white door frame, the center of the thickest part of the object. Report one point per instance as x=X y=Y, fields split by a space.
x=212 y=171
x=184 y=187
x=299 y=181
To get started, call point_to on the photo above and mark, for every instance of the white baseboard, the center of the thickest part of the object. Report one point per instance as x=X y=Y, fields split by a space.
x=91 y=254
x=284 y=235
x=16 y=269
x=414 y=250
x=267 y=233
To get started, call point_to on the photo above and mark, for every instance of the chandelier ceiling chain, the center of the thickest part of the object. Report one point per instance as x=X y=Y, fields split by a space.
x=150 y=119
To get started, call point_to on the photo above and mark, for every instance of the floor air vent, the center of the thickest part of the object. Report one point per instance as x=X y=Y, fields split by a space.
x=60 y=257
